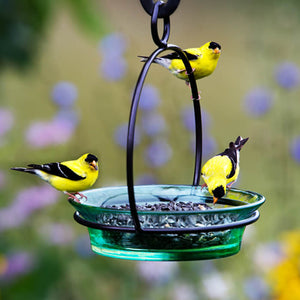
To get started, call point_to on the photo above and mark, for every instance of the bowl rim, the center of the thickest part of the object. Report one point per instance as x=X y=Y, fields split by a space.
x=171 y=230
x=254 y=205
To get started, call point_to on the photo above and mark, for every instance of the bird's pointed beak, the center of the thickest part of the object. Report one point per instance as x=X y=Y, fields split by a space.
x=215 y=199
x=217 y=51
x=94 y=165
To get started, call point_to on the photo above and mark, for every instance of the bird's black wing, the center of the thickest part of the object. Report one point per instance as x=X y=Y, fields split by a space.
x=174 y=55
x=58 y=169
x=232 y=155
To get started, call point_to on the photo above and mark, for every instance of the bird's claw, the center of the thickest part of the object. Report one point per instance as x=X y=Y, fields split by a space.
x=203 y=185
x=82 y=196
x=229 y=186
x=186 y=73
x=73 y=196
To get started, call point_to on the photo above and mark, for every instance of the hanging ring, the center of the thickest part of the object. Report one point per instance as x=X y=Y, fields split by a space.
x=162 y=43
x=169 y=6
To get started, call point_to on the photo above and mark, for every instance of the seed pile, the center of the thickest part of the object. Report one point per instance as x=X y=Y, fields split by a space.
x=165 y=206
x=168 y=220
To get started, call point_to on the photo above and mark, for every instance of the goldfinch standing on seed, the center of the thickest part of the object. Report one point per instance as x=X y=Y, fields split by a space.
x=222 y=170
x=203 y=61
x=71 y=176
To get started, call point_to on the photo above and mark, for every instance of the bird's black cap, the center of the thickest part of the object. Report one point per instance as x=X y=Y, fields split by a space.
x=90 y=158
x=219 y=192
x=214 y=45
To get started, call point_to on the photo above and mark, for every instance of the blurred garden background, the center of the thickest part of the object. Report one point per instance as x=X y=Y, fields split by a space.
x=67 y=73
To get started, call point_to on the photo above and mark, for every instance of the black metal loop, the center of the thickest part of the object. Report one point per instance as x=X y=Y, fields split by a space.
x=132 y=121
x=168 y=7
x=212 y=228
x=154 y=27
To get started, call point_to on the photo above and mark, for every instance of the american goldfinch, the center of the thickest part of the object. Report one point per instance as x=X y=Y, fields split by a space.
x=222 y=170
x=69 y=176
x=203 y=61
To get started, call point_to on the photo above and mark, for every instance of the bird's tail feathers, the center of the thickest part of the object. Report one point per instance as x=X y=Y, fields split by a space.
x=34 y=166
x=143 y=58
x=27 y=170
x=239 y=143
x=158 y=60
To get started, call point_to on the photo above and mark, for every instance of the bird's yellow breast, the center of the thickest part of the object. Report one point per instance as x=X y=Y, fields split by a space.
x=63 y=184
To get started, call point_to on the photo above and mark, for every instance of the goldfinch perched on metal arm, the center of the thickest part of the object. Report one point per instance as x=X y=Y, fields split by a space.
x=69 y=176
x=203 y=61
x=222 y=170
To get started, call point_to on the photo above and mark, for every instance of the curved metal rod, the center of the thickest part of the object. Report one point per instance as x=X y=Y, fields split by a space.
x=132 y=121
x=130 y=136
x=212 y=228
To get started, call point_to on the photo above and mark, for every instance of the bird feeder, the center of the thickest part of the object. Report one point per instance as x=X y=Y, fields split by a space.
x=165 y=222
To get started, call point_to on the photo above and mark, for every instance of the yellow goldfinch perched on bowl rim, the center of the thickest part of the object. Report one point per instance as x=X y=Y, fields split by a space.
x=71 y=176
x=203 y=61
x=222 y=170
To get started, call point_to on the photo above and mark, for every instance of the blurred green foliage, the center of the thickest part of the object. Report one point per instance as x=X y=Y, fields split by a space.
x=23 y=25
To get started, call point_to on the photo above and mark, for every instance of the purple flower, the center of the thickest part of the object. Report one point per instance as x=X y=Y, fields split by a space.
x=155 y=272
x=36 y=197
x=209 y=146
x=113 y=68
x=18 y=264
x=150 y=98
x=37 y=135
x=256 y=288
x=57 y=233
x=67 y=115
x=120 y=135
x=295 y=148
x=6 y=121
x=61 y=131
x=43 y=134
x=217 y=286
x=188 y=119
x=153 y=124
x=287 y=75
x=146 y=179
x=158 y=153
x=64 y=94
x=113 y=45
x=269 y=255
x=26 y=202
x=258 y=101
x=184 y=291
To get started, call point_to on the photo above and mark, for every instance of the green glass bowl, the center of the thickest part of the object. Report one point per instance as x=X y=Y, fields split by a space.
x=215 y=232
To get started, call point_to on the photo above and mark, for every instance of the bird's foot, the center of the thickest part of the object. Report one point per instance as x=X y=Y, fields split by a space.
x=73 y=196
x=186 y=73
x=81 y=195
x=229 y=186
x=203 y=185
x=199 y=96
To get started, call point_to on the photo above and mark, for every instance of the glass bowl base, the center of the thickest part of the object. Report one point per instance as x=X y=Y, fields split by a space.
x=104 y=243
